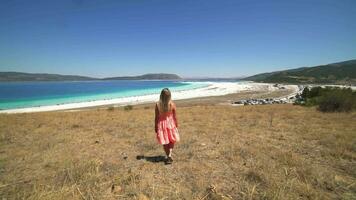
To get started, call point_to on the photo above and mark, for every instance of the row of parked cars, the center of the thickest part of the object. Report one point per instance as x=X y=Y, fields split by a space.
x=263 y=101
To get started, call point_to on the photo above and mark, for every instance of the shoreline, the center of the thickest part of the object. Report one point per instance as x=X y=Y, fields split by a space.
x=213 y=89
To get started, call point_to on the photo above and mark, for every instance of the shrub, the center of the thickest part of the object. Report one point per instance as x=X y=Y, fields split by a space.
x=128 y=107
x=75 y=126
x=328 y=99
x=337 y=101
x=111 y=108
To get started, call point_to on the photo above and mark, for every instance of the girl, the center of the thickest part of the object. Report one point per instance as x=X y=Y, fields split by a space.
x=166 y=125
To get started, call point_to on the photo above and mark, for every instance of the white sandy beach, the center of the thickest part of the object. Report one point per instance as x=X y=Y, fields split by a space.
x=213 y=89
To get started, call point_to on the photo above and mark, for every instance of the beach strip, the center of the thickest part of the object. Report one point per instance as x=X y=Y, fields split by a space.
x=213 y=89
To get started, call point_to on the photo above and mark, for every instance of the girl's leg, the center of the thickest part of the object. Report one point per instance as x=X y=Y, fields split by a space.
x=166 y=149
x=171 y=146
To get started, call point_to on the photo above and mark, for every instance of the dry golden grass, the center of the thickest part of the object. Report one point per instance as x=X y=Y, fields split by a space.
x=252 y=152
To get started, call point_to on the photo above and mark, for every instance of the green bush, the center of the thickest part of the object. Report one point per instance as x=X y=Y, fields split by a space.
x=329 y=99
x=337 y=101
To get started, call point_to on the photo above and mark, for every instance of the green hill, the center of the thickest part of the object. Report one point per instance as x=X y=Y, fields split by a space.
x=335 y=73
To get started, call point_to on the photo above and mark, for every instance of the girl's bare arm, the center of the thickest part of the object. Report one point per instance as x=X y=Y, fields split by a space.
x=174 y=110
x=156 y=117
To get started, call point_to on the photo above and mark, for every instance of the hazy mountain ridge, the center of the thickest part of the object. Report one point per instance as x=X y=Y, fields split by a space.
x=336 y=73
x=158 y=76
x=20 y=76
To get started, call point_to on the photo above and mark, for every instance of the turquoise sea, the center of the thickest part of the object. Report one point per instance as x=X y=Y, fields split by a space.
x=32 y=94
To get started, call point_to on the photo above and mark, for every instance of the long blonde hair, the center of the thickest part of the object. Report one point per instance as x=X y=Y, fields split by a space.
x=165 y=99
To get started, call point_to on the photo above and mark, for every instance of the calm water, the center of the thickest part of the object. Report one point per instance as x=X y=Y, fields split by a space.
x=31 y=94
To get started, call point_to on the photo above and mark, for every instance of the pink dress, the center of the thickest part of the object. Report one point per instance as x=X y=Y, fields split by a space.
x=167 y=131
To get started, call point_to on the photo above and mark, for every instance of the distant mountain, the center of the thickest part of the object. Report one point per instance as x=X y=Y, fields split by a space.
x=19 y=76
x=160 y=76
x=237 y=78
x=336 y=73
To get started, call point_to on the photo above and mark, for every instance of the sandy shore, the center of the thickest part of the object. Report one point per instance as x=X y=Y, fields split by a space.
x=213 y=89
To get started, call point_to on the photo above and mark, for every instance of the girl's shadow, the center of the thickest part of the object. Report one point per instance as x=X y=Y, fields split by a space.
x=154 y=159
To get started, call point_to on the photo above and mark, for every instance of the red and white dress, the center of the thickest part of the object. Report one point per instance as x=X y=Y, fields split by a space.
x=167 y=127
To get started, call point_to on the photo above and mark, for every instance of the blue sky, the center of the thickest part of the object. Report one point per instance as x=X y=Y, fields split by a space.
x=191 y=38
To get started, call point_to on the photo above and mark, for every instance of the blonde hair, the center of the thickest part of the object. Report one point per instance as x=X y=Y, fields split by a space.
x=164 y=99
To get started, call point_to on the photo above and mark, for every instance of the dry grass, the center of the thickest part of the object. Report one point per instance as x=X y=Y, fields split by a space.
x=252 y=152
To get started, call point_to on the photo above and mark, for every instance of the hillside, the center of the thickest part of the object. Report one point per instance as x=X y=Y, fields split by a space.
x=159 y=76
x=335 y=73
x=20 y=76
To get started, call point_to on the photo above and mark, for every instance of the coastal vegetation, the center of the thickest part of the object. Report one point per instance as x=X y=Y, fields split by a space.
x=336 y=73
x=248 y=152
x=128 y=107
x=111 y=108
x=328 y=99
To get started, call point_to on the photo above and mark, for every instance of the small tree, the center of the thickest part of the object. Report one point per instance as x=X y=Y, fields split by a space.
x=305 y=93
x=315 y=92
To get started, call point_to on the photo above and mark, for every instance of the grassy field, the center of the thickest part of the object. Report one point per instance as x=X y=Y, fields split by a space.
x=251 y=152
